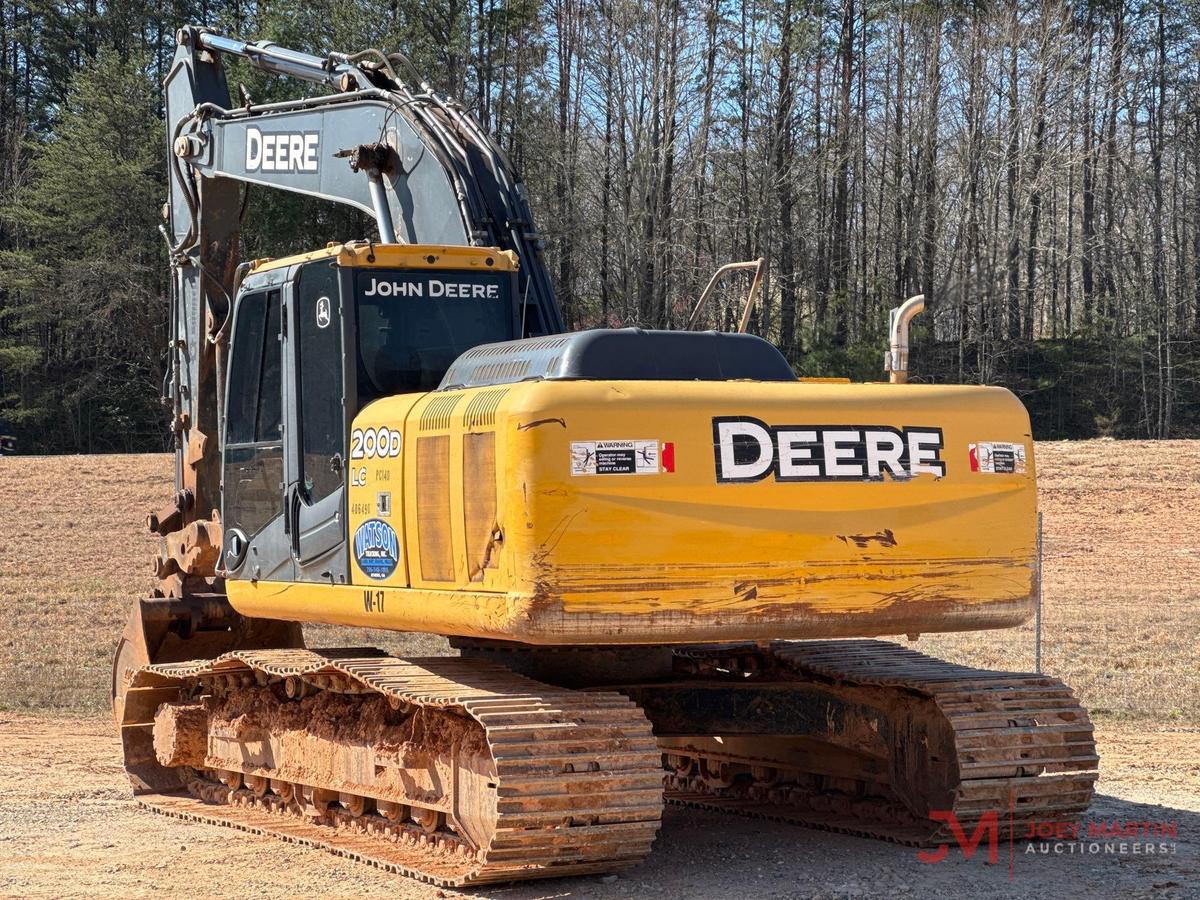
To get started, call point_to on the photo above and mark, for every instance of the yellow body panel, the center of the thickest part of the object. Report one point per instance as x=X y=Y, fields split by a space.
x=677 y=556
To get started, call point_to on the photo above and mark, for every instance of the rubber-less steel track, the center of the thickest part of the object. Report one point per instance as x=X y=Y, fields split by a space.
x=1023 y=748
x=577 y=783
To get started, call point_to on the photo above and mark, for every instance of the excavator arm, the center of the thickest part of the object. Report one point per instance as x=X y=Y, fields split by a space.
x=417 y=162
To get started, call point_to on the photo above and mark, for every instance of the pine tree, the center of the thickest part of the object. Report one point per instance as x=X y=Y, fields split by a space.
x=84 y=285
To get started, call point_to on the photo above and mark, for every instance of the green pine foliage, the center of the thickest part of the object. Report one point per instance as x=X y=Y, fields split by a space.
x=86 y=274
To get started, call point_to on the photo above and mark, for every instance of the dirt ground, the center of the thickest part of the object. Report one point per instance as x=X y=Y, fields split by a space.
x=68 y=829
x=1122 y=588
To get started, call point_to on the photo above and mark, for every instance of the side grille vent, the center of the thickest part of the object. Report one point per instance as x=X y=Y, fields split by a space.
x=433 y=508
x=436 y=416
x=479 y=502
x=481 y=411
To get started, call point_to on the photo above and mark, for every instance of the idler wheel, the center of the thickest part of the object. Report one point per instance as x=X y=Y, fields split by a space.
x=426 y=819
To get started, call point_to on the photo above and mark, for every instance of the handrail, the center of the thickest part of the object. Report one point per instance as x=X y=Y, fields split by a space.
x=759 y=265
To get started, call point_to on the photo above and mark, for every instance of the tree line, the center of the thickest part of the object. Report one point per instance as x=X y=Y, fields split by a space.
x=1032 y=167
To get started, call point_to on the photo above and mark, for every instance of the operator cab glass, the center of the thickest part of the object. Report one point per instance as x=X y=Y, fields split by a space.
x=412 y=325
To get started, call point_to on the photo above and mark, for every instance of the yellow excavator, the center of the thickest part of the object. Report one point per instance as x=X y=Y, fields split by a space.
x=662 y=557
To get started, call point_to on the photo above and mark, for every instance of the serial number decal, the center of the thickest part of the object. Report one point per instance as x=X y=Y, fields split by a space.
x=746 y=449
x=372 y=443
x=621 y=457
x=997 y=457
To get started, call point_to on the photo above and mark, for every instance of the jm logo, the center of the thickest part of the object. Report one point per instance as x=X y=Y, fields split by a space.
x=989 y=826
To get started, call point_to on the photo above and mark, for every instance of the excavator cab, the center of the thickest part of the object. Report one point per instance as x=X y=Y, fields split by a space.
x=314 y=340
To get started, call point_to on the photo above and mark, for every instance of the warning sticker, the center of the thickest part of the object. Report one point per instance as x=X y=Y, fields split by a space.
x=997 y=458
x=621 y=457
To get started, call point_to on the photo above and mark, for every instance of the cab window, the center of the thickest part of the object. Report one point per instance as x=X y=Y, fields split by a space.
x=413 y=324
x=319 y=359
x=253 y=463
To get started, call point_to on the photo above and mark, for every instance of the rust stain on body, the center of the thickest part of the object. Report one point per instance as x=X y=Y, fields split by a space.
x=883 y=538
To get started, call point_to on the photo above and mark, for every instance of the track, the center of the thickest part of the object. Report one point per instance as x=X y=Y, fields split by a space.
x=458 y=771
x=477 y=775
x=940 y=738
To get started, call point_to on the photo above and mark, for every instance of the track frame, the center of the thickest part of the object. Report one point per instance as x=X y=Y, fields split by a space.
x=570 y=783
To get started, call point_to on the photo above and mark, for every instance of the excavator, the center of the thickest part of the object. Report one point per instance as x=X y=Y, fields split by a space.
x=664 y=560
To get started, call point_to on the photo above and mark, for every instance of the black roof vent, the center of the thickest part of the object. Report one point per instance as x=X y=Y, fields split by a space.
x=623 y=354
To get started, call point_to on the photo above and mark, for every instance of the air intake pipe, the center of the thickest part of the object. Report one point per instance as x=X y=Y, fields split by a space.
x=895 y=361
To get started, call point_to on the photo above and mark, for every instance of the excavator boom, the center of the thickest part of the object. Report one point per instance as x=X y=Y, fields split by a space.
x=417 y=162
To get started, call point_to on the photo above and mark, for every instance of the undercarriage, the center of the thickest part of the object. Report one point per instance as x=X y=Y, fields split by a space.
x=870 y=738
x=462 y=771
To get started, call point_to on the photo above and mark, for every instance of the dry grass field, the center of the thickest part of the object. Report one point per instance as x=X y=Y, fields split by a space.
x=73 y=550
x=1122 y=581
x=1121 y=611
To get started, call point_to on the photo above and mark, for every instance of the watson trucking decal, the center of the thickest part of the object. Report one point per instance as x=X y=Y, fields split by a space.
x=376 y=549
x=997 y=457
x=747 y=449
x=622 y=457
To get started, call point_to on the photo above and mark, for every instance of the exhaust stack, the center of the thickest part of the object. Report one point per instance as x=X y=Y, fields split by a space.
x=895 y=361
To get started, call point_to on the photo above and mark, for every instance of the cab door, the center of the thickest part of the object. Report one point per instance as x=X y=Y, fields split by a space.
x=316 y=495
x=253 y=474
